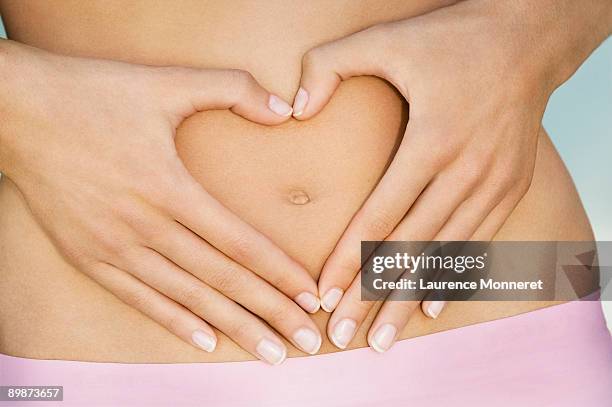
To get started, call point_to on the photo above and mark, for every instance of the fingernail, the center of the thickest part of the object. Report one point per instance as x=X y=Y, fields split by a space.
x=434 y=308
x=204 y=340
x=308 y=340
x=331 y=299
x=279 y=106
x=383 y=338
x=309 y=302
x=343 y=332
x=299 y=103
x=271 y=352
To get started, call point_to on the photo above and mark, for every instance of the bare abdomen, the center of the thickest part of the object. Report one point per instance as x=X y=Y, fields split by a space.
x=299 y=183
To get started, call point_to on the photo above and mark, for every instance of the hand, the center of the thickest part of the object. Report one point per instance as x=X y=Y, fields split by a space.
x=477 y=83
x=90 y=145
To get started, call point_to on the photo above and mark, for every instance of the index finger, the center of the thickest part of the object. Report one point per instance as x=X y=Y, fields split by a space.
x=408 y=174
x=241 y=242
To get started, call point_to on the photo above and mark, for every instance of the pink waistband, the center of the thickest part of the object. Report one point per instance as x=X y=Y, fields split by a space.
x=558 y=356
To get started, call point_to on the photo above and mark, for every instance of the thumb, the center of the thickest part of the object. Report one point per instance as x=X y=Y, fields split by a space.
x=324 y=67
x=194 y=90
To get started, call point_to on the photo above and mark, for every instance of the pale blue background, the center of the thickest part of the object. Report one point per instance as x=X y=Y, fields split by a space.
x=578 y=119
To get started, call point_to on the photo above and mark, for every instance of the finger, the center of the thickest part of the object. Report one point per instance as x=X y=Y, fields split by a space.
x=200 y=259
x=325 y=66
x=175 y=318
x=469 y=223
x=432 y=309
x=470 y=215
x=424 y=221
x=430 y=212
x=378 y=217
x=389 y=322
x=190 y=90
x=487 y=230
x=245 y=329
x=348 y=316
x=205 y=216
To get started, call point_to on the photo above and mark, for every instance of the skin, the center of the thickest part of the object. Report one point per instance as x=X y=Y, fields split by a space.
x=222 y=151
x=118 y=198
x=471 y=138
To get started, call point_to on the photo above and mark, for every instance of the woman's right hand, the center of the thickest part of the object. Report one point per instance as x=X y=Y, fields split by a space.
x=90 y=145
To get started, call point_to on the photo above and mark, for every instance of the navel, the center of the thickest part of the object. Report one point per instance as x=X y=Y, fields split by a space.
x=298 y=197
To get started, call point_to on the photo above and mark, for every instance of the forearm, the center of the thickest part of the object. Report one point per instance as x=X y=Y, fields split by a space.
x=9 y=93
x=24 y=102
x=4 y=100
x=564 y=32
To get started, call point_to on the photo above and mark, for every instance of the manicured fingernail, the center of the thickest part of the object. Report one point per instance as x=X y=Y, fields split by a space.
x=308 y=340
x=434 y=308
x=204 y=340
x=279 y=106
x=271 y=352
x=299 y=103
x=331 y=299
x=383 y=338
x=309 y=302
x=343 y=332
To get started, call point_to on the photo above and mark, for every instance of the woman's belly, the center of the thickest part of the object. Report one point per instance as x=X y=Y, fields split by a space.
x=299 y=183
x=50 y=310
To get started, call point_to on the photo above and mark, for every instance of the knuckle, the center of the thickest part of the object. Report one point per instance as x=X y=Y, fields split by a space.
x=280 y=280
x=474 y=171
x=379 y=224
x=523 y=185
x=403 y=308
x=471 y=174
x=244 y=77
x=237 y=330
x=135 y=217
x=496 y=192
x=174 y=322
x=516 y=181
x=193 y=296
x=141 y=224
x=279 y=314
x=138 y=299
x=149 y=83
x=383 y=34
x=227 y=279
x=346 y=268
x=240 y=248
x=241 y=81
x=167 y=77
x=103 y=239
x=76 y=254
x=112 y=245
x=163 y=182
x=503 y=179
x=361 y=308
x=436 y=152
x=313 y=57
x=177 y=193
x=437 y=159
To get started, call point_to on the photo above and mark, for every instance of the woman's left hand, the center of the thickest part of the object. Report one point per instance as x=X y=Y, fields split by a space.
x=477 y=76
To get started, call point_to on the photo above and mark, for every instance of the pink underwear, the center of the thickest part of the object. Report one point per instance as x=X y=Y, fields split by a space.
x=559 y=356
